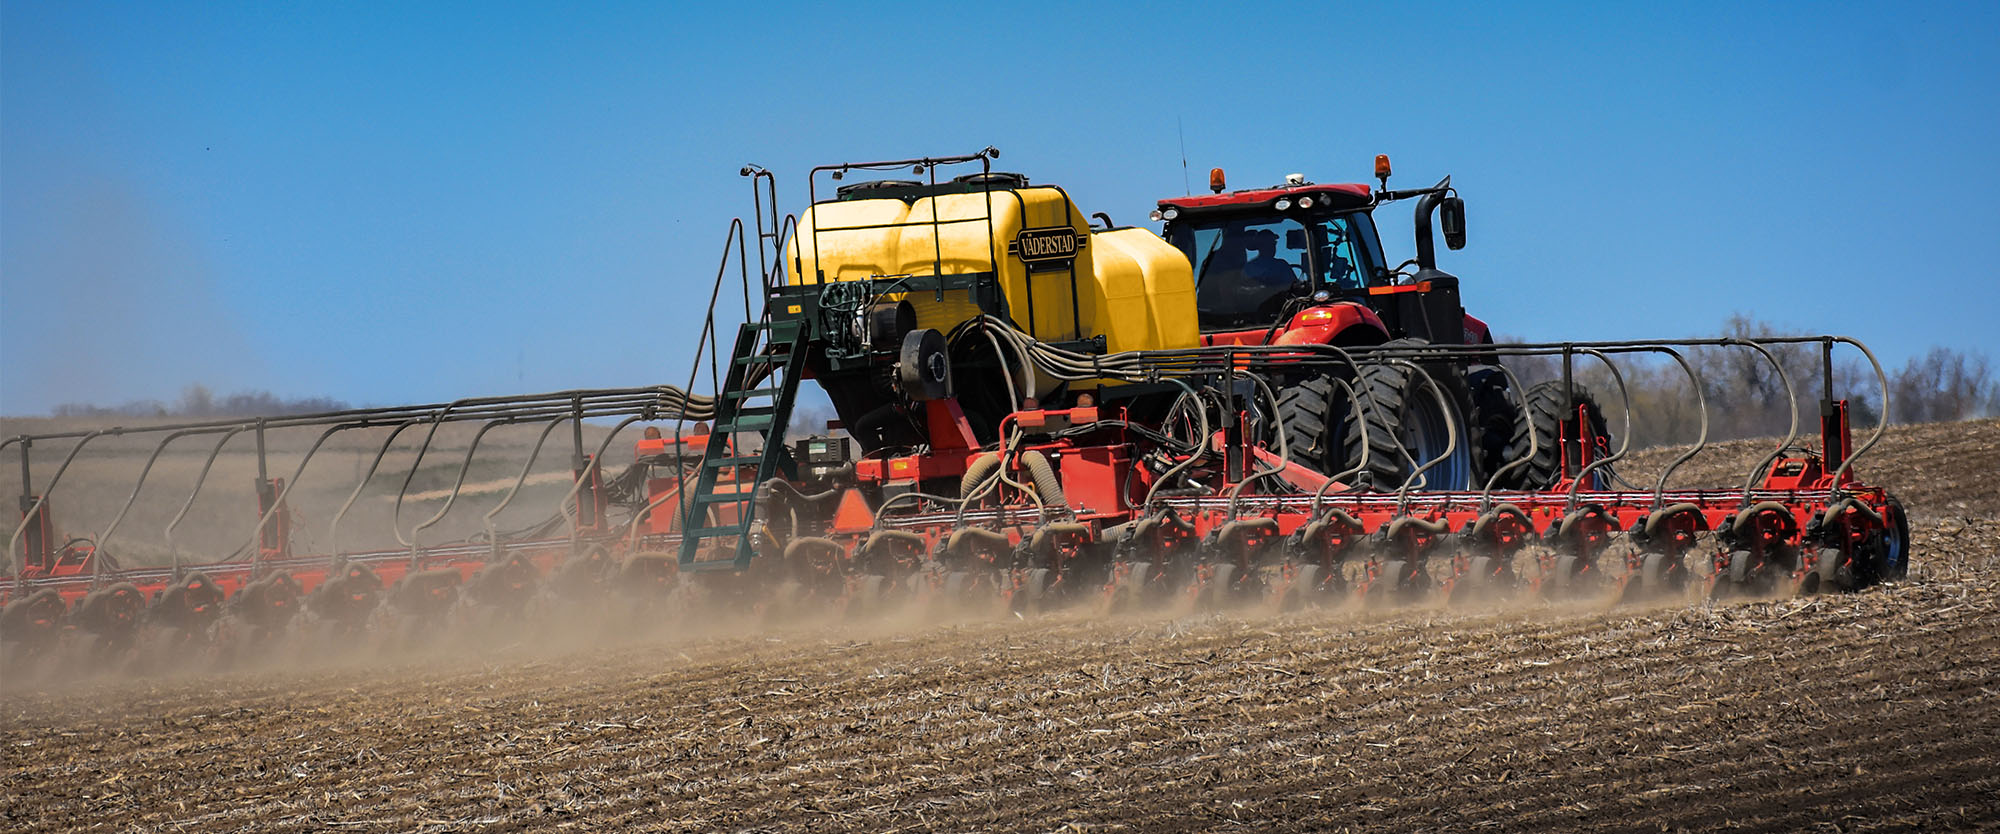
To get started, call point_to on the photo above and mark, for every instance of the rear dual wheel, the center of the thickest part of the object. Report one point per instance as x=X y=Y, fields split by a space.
x=1403 y=424
x=1535 y=430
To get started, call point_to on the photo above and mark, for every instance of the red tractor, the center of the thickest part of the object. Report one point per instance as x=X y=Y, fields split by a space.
x=1302 y=264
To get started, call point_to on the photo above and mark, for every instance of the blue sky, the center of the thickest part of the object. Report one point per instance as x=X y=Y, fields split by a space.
x=402 y=202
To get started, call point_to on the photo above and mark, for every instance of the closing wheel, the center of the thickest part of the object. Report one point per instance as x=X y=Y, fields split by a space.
x=1739 y=566
x=1406 y=427
x=785 y=598
x=870 y=592
x=956 y=584
x=1130 y=589
x=33 y=619
x=1303 y=590
x=1895 y=556
x=1835 y=571
x=1735 y=578
x=1568 y=575
x=583 y=576
x=1387 y=580
x=268 y=603
x=1661 y=574
x=1030 y=595
x=1475 y=583
x=1221 y=589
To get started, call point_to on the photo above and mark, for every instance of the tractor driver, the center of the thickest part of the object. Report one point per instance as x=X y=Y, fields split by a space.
x=1267 y=279
x=1263 y=267
x=1244 y=279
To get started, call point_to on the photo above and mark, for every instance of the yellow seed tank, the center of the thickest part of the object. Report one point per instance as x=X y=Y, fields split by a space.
x=1131 y=287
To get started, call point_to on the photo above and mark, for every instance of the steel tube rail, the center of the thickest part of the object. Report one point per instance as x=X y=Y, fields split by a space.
x=464 y=468
x=278 y=501
x=1624 y=442
x=596 y=462
x=14 y=541
x=104 y=538
x=333 y=527
x=473 y=408
x=1700 y=441
x=492 y=532
x=195 y=491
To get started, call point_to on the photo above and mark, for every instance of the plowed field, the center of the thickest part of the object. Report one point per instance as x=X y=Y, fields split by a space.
x=1864 y=712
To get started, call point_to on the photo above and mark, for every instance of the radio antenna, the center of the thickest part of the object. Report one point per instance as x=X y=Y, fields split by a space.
x=1186 y=188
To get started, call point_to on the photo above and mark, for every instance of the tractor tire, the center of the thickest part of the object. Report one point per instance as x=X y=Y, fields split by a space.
x=1545 y=409
x=1405 y=428
x=1495 y=410
x=1305 y=412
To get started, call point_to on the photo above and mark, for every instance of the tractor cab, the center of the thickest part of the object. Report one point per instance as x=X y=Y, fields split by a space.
x=1255 y=252
x=1302 y=262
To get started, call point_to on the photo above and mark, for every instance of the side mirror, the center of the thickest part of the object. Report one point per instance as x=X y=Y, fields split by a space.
x=1295 y=238
x=1451 y=218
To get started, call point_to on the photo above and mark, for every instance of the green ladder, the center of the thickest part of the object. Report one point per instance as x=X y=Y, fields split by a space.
x=771 y=355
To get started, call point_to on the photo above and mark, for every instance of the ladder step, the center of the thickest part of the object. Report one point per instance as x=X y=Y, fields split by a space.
x=754 y=422
x=715 y=532
x=754 y=392
x=722 y=498
x=739 y=460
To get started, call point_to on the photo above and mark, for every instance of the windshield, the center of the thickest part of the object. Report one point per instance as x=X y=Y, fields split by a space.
x=1246 y=268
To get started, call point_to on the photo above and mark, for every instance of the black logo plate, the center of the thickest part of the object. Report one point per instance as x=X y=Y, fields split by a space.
x=1052 y=247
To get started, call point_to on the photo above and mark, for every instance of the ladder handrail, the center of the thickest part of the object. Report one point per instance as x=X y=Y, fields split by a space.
x=756 y=345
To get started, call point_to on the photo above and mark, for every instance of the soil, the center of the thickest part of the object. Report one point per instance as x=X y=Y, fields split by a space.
x=1871 y=711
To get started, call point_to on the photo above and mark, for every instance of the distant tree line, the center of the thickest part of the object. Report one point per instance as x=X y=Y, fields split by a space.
x=1746 y=395
x=198 y=401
